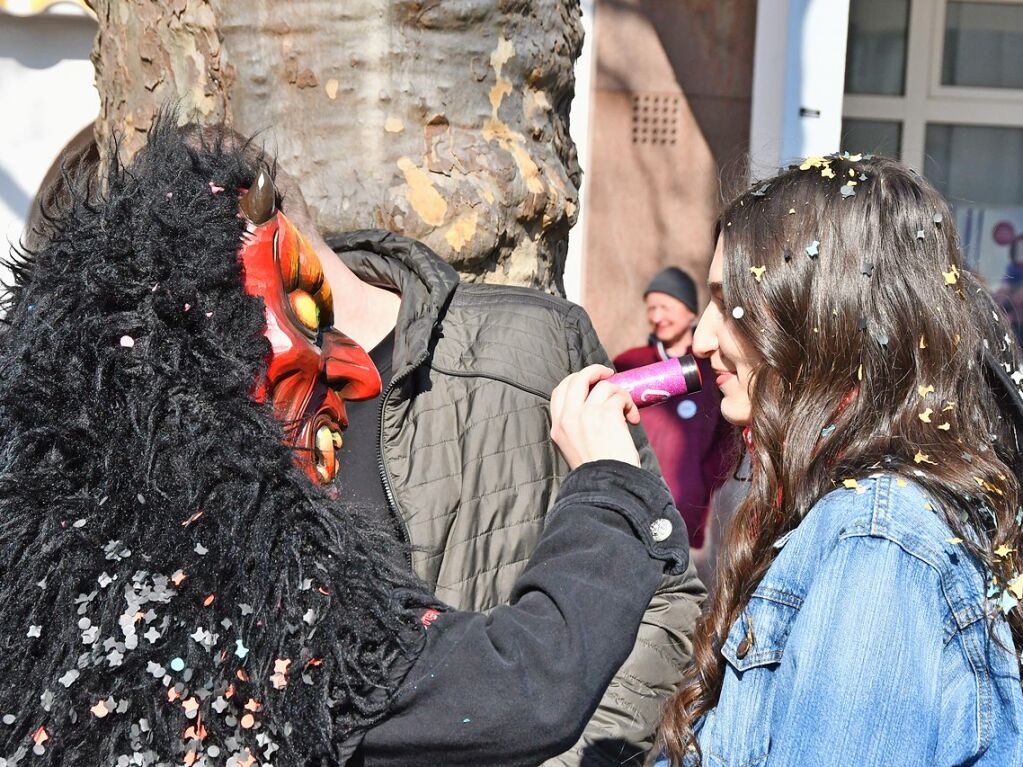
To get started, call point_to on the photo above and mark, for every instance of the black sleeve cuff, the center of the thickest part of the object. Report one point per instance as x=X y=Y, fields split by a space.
x=639 y=496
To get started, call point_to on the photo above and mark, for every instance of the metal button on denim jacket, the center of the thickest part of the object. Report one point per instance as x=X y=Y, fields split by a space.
x=867 y=643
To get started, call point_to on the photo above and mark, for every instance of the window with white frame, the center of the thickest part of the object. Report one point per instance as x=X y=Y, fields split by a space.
x=939 y=84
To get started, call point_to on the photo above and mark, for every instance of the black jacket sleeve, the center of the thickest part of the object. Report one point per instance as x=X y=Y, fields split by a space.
x=517 y=685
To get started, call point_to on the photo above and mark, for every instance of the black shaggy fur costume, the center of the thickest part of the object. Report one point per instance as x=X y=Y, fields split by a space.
x=169 y=581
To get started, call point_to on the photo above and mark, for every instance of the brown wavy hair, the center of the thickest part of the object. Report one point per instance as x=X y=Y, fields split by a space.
x=863 y=322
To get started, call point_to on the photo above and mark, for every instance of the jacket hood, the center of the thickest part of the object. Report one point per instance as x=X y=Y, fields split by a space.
x=426 y=284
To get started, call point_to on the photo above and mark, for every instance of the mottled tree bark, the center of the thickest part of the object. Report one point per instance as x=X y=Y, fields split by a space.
x=446 y=120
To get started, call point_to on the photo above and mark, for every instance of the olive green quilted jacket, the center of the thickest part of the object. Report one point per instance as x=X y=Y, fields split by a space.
x=468 y=464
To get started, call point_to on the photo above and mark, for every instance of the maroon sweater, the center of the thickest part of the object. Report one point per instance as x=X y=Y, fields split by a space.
x=694 y=444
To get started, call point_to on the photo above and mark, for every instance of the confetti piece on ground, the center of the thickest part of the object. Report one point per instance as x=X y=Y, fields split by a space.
x=40 y=736
x=867 y=269
x=951 y=277
x=127 y=342
x=923 y=391
x=953 y=541
x=827 y=431
x=826 y=172
x=923 y=343
x=738 y=312
x=922 y=457
x=1003 y=551
x=919 y=234
x=792 y=211
x=925 y=416
x=945 y=426
x=813 y=249
x=938 y=218
x=758 y=271
x=215 y=189
x=177 y=664
x=847 y=191
x=900 y=482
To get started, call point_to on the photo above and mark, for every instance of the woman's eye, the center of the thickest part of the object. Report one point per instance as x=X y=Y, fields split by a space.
x=305 y=309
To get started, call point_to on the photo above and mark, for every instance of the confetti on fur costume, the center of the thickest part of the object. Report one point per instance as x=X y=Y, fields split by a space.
x=172 y=589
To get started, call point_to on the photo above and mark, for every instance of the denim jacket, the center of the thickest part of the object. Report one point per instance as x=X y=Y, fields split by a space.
x=867 y=643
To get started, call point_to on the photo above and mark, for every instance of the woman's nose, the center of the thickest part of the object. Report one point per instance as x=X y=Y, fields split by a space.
x=705 y=341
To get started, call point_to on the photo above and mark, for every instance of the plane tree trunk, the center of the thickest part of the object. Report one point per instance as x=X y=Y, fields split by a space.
x=445 y=120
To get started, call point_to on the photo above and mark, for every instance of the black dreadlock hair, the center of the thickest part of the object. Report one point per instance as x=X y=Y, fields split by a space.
x=170 y=582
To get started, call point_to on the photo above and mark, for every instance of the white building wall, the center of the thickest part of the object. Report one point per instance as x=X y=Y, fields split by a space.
x=46 y=87
x=798 y=81
x=580 y=127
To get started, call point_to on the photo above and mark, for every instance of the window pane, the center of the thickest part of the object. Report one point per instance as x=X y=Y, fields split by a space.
x=983 y=45
x=974 y=167
x=876 y=55
x=975 y=164
x=875 y=136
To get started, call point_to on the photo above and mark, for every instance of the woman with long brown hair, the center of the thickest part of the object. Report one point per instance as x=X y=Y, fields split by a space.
x=866 y=608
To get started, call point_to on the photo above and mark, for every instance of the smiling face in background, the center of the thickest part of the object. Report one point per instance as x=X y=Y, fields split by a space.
x=313 y=368
x=718 y=339
x=670 y=320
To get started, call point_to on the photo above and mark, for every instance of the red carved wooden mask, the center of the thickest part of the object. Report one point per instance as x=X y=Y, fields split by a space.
x=313 y=367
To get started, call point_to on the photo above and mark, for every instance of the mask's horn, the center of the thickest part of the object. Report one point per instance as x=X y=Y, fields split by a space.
x=259 y=203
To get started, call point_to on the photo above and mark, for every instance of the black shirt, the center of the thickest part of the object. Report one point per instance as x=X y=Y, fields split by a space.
x=359 y=476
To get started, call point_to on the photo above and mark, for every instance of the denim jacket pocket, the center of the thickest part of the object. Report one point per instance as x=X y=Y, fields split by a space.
x=759 y=635
x=741 y=737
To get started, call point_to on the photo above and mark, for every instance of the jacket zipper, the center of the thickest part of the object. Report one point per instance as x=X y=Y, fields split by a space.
x=385 y=479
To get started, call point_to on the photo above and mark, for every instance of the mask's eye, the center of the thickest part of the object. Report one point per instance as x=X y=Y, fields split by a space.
x=306 y=309
x=302 y=275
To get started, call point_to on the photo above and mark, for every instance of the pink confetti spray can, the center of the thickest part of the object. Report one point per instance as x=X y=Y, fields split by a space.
x=652 y=384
